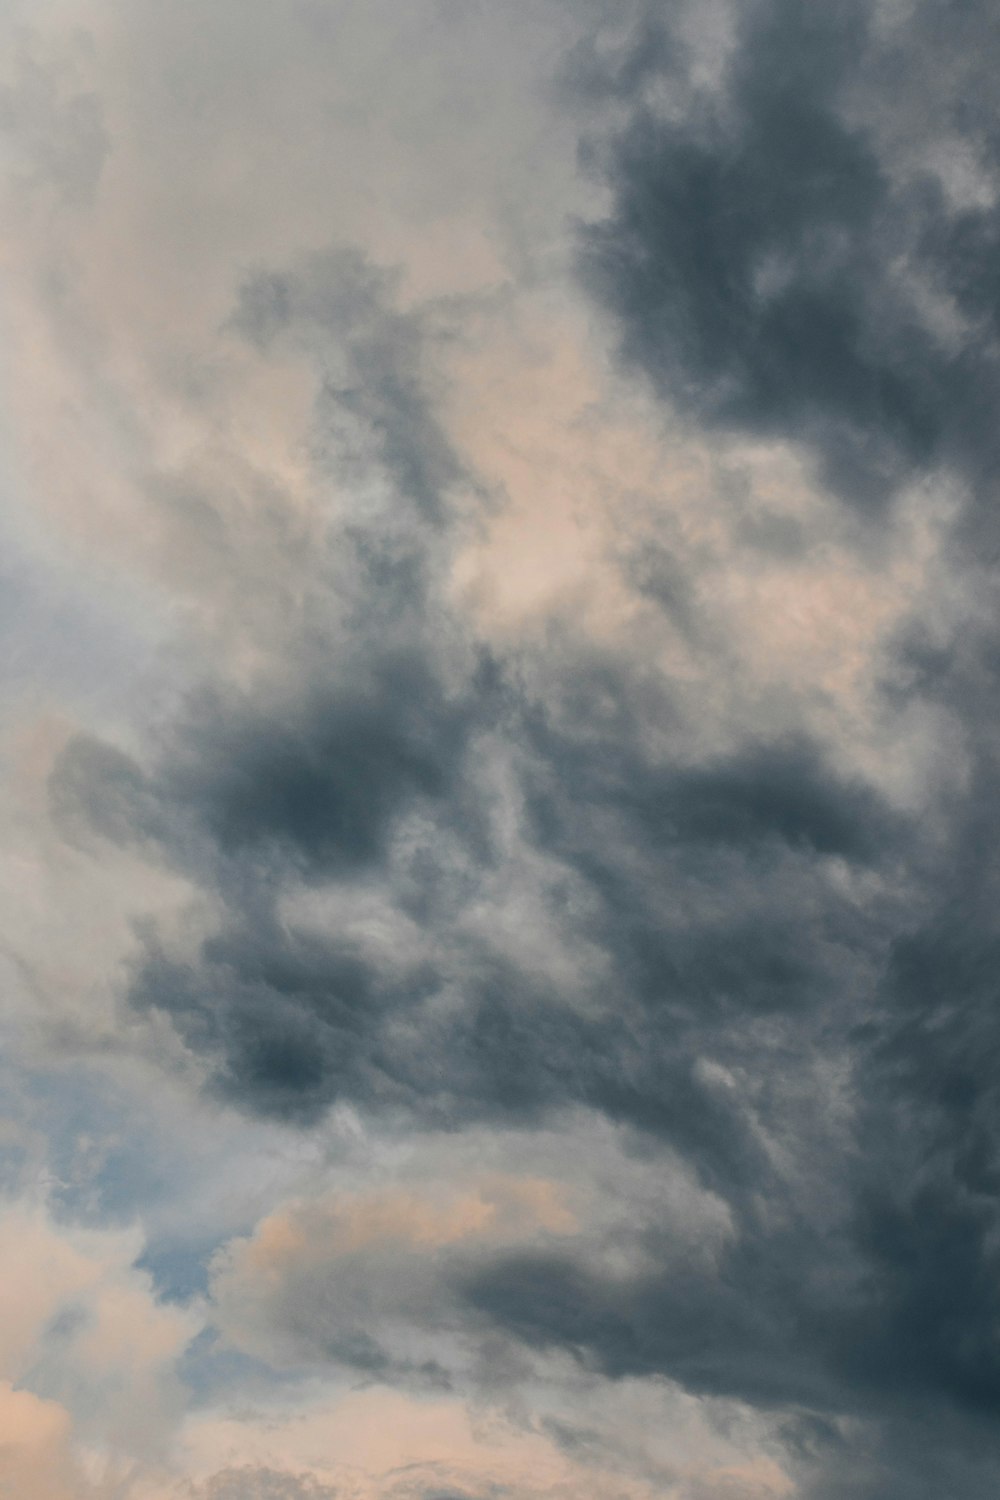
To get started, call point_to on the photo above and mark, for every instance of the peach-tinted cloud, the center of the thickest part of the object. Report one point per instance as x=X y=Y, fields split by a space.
x=314 y=1273
x=81 y=1329
x=720 y=564
x=498 y=1209
x=380 y=1445
x=127 y=246
x=35 y=1461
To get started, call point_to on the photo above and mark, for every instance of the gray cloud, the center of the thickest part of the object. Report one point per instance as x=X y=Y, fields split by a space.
x=772 y=972
x=249 y=1483
x=728 y=959
x=768 y=247
x=340 y=309
x=54 y=123
x=761 y=259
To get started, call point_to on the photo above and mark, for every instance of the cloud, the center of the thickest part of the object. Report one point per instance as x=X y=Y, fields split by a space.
x=380 y=1445
x=658 y=875
x=369 y=1274
x=34 y=1447
x=732 y=903
x=265 y=1484
x=772 y=256
x=364 y=1281
x=88 y=1361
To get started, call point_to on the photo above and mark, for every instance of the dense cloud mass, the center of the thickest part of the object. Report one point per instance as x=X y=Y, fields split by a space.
x=502 y=989
x=781 y=263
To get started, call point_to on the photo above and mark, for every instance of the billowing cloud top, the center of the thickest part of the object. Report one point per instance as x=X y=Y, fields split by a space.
x=500 y=742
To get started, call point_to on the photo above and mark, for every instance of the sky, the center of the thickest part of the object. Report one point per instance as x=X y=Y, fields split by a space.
x=499 y=750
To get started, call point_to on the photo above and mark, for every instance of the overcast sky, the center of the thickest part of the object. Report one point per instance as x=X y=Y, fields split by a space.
x=500 y=744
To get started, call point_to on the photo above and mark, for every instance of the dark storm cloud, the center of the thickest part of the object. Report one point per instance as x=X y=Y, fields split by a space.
x=724 y=1335
x=311 y=780
x=777 y=792
x=926 y=1180
x=285 y=1020
x=761 y=258
x=355 y=727
x=706 y=885
x=708 y=891
x=766 y=249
